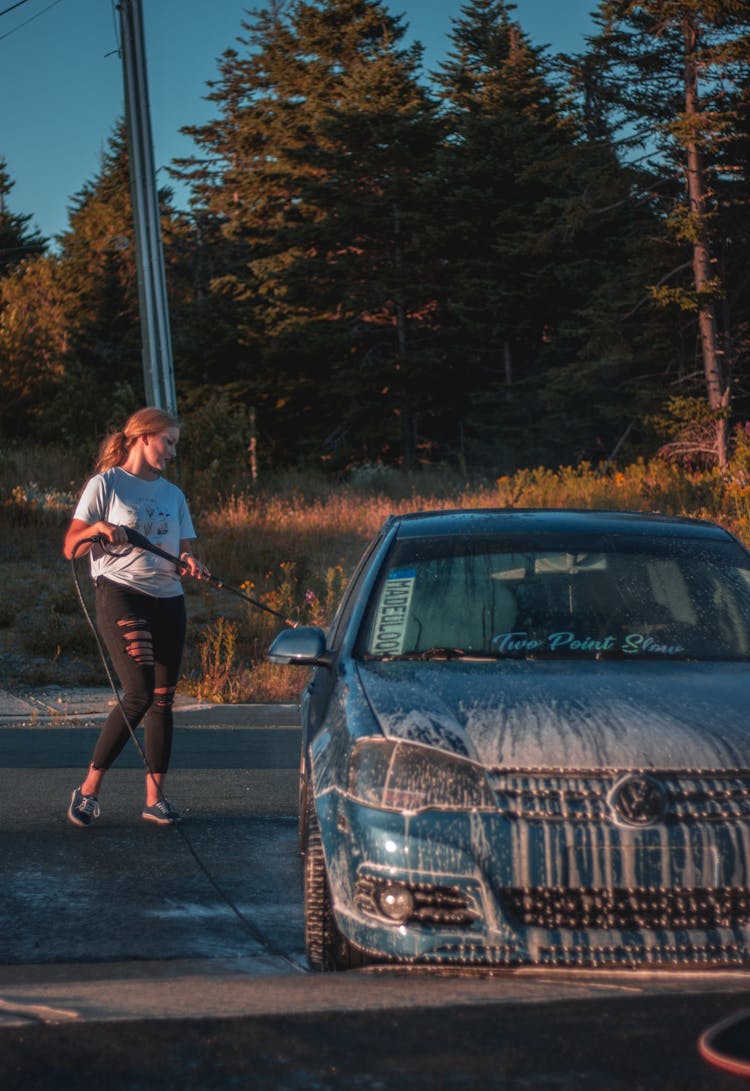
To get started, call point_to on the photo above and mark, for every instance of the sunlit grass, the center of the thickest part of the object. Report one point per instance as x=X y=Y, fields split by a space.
x=293 y=549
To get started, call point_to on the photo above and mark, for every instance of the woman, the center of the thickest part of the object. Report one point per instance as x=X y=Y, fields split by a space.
x=140 y=606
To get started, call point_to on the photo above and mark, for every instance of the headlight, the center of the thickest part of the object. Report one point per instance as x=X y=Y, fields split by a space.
x=399 y=776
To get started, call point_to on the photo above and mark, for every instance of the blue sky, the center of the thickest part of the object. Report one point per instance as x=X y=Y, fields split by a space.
x=61 y=79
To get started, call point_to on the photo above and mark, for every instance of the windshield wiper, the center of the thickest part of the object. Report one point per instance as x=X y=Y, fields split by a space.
x=436 y=652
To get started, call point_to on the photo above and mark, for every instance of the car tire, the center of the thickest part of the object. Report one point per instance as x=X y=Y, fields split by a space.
x=327 y=950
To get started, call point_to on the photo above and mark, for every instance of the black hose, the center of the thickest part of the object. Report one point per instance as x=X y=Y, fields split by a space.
x=251 y=928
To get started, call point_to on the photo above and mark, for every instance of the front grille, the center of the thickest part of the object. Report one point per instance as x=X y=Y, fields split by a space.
x=446 y=906
x=582 y=797
x=627 y=909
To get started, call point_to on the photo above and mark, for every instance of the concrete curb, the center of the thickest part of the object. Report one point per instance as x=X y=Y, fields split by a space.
x=61 y=707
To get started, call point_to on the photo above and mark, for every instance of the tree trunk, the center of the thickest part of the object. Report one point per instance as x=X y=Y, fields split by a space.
x=717 y=386
x=408 y=442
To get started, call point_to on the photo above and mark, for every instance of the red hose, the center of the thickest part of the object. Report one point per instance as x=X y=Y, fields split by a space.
x=726 y=1050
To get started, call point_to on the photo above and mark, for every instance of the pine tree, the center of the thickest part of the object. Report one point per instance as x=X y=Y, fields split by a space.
x=104 y=375
x=505 y=182
x=671 y=75
x=70 y=330
x=17 y=239
x=36 y=312
x=32 y=319
x=317 y=164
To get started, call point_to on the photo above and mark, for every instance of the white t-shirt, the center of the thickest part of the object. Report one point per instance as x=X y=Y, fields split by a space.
x=157 y=509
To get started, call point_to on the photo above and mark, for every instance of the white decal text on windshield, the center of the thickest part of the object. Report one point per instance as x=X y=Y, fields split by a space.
x=631 y=644
x=393 y=610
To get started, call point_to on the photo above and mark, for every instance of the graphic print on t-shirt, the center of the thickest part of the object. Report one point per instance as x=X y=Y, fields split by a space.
x=129 y=515
x=154 y=522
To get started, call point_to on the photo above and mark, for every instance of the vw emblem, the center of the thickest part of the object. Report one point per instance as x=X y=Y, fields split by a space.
x=638 y=800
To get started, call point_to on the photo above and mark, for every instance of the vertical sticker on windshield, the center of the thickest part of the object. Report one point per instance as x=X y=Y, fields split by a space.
x=390 y=623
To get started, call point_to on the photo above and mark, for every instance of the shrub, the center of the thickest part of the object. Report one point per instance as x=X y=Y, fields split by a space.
x=293 y=550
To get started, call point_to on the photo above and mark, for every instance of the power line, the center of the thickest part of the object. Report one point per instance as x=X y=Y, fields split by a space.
x=14 y=6
x=26 y=21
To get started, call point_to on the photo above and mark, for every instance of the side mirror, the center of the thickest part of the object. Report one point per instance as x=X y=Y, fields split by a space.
x=305 y=646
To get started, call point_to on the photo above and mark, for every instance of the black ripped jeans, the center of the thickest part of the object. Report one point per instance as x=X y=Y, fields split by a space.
x=145 y=637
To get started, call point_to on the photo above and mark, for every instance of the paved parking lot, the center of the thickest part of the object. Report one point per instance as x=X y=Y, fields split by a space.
x=133 y=956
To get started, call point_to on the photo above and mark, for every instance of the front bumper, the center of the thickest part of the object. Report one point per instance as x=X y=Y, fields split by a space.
x=493 y=889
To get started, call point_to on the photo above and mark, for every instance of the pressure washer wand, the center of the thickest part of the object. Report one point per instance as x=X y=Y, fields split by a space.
x=137 y=539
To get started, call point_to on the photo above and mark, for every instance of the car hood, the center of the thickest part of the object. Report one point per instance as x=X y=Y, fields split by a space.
x=569 y=715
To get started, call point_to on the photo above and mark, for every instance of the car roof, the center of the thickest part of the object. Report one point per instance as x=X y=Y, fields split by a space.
x=526 y=521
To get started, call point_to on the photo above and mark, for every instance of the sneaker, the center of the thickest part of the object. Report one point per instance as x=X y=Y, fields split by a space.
x=83 y=809
x=162 y=812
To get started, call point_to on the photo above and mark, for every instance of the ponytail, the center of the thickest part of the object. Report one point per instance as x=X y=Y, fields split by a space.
x=113 y=452
x=145 y=422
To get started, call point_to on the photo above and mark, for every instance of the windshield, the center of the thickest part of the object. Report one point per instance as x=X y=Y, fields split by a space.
x=610 y=597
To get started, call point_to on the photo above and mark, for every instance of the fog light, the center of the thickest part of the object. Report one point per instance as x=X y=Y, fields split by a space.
x=396 y=902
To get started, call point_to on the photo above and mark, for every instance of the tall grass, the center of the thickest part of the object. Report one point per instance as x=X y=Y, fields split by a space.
x=292 y=548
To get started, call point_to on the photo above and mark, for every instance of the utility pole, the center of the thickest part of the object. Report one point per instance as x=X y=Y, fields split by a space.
x=156 y=341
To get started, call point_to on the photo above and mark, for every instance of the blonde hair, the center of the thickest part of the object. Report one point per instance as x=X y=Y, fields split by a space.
x=144 y=422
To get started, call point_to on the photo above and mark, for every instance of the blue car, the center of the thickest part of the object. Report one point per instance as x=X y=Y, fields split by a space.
x=526 y=741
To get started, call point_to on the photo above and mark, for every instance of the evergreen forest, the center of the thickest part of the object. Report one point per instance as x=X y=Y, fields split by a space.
x=519 y=259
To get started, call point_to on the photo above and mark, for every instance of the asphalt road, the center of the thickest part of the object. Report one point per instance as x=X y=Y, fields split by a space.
x=125 y=889
x=140 y=957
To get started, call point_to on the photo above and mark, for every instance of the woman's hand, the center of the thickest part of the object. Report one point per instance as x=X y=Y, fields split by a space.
x=194 y=567
x=78 y=539
x=111 y=532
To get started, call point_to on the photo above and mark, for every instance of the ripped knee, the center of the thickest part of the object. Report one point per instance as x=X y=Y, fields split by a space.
x=138 y=641
x=164 y=697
